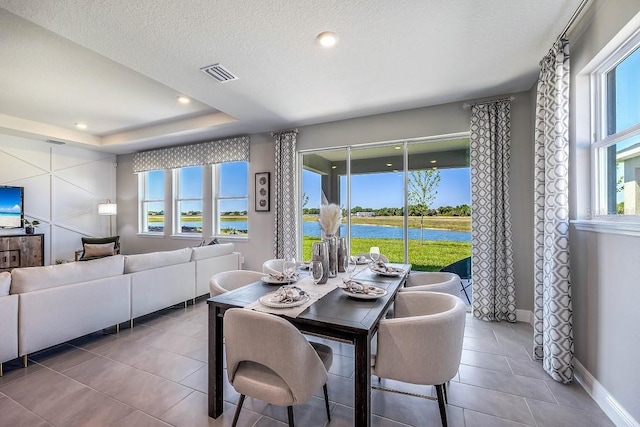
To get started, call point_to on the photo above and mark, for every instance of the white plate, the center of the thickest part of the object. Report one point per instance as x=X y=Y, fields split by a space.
x=388 y=273
x=273 y=281
x=266 y=300
x=365 y=296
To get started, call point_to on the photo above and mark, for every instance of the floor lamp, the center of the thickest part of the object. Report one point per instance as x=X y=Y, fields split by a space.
x=109 y=209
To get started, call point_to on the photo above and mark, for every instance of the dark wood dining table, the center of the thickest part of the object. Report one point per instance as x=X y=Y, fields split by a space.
x=335 y=316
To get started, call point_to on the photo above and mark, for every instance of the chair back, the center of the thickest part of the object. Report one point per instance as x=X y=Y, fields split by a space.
x=423 y=343
x=273 y=266
x=266 y=339
x=229 y=280
x=433 y=281
x=461 y=267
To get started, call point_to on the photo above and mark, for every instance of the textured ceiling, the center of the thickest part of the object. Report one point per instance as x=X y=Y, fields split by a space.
x=119 y=65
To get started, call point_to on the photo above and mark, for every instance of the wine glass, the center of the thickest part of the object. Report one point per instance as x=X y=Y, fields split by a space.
x=374 y=254
x=289 y=268
x=316 y=271
x=350 y=265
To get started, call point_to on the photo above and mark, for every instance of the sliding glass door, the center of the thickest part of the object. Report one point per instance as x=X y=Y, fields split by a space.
x=409 y=198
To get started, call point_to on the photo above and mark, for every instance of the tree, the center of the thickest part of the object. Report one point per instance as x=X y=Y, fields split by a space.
x=423 y=188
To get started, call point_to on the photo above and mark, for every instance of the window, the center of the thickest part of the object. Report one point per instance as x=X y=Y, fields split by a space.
x=187 y=188
x=151 y=196
x=230 y=198
x=616 y=142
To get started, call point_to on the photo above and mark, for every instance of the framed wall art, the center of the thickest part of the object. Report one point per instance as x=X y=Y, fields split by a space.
x=263 y=182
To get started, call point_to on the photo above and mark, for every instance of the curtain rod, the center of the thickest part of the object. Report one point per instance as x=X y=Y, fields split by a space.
x=573 y=18
x=466 y=105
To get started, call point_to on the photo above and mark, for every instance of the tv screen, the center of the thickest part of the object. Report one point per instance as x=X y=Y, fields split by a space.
x=11 y=212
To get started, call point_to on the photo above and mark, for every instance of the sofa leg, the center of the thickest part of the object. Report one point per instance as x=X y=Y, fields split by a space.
x=1 y=370
x=131 y=323
x=24 y=361
x=117 y=328
x=185 y=304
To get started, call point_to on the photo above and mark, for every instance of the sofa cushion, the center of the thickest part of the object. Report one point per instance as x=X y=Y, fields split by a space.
x=31 y=279
x=5 y=283
x=98 y=250
x=141 y=262
x=211 y=251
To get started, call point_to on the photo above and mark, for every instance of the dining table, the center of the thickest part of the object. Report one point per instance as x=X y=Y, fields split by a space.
x=336 y=316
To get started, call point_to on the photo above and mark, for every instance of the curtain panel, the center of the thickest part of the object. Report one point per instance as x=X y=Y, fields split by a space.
x=286 y=219
x=204 y=153
x=553 y=323
x=491 y=237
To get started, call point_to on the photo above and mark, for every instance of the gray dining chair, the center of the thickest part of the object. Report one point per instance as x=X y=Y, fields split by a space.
x=423 y=343
x=273 y=266
x=270 y=360
x=433 y=281
x=229 y=280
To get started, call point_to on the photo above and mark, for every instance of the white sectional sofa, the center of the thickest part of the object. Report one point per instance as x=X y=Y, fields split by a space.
x=44 y=306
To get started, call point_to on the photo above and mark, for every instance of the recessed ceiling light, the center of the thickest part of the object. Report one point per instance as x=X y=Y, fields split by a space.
x=397 y=148
x=333 y=167
x=434 y=168
x=433 y=161
x=81 y=126
x=327 y=39
x=184 y=99
x=389 y=165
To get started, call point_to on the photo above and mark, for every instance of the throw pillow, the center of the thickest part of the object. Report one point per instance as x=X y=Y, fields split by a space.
x=100 y=249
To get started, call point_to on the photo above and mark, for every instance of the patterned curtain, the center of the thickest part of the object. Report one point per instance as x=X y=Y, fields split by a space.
x=494 y=293
x=204 y=153
x=286 y=218
x=553 y=329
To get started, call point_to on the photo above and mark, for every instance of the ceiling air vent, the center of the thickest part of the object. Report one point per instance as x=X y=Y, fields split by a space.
x=54 y=142
x=218 y=72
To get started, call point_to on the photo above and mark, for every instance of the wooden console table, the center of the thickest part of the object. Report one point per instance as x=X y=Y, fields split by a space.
x=21 y=250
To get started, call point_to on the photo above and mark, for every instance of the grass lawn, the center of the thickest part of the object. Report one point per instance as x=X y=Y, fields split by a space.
x=431 y=256
x=455 y=223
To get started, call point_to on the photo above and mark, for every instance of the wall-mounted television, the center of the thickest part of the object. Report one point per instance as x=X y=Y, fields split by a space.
x=11 y=206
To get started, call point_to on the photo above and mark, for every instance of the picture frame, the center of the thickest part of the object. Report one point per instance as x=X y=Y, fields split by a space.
x=263 y=192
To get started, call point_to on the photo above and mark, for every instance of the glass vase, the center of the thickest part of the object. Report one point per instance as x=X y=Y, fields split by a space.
x=332 y=246
x=320 y=252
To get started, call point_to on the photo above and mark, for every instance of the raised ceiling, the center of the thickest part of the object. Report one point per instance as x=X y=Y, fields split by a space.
x=118 y=65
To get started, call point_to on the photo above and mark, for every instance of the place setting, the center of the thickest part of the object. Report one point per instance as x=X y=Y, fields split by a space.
x=287 y=276
x=355 y=289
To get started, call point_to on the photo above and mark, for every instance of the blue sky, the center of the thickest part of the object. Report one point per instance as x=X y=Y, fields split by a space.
x=386 y=189
x=10 y=199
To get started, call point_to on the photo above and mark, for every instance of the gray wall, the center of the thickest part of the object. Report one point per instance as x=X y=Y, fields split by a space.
x=431 y=121
x=604 y=267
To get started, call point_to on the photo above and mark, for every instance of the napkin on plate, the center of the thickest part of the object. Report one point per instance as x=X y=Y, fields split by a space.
x=381 y=267
x=360 y=288
x=283 y=278
x=288 y=294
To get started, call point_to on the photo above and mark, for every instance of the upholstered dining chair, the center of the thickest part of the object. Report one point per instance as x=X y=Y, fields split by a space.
x=423 y=343
x=433 y=281
x=273 y=266
x=270 y=360
x=229 y=280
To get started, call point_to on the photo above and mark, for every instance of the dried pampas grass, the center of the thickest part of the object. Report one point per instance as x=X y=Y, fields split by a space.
x=330 y=218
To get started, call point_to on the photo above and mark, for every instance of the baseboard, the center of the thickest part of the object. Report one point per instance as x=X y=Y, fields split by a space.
x=524 y=316
x=618 y=415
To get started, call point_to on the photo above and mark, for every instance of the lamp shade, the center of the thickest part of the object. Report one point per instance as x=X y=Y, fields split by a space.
x=107 y=208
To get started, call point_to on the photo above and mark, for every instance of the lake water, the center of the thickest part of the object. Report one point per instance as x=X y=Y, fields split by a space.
x=372 y=231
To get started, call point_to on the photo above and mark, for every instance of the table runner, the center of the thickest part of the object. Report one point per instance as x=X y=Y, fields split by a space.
x=306 y=284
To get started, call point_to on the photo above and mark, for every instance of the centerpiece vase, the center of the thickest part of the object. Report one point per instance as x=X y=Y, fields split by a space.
x=320 y=252
x=332 y=245
x=342 y=254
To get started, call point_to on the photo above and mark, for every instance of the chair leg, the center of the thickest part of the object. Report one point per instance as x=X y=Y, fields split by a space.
x=443 y=409
x=290 y=414
x=326 y=400
x=238 y=409
x=464 y=289
x=444 y=387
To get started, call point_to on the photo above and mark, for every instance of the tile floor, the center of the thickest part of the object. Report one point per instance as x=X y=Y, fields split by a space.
x=156 y=375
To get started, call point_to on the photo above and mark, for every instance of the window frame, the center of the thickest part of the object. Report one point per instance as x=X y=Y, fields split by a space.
x=176 y=229
x=600 y=140
x=216 y=198
x=143 y=225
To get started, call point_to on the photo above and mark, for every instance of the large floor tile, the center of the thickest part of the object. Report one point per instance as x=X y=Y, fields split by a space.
x=13 y=371
x=527 y=368
x=506 y=383
x=549 y=415
x=178 y=343
x=413 y=411
x=515 y=351
x=147 y=392
x=140 y=419
x=199 y=380
x=572 y=395
x=12 y=415
x=193 y=412
x=62 y=357
x=485 y=360
x=165 y=364
x=65 y=402
x=498 y=404
x=342 y=416
x=477 y=419
x=343 y=366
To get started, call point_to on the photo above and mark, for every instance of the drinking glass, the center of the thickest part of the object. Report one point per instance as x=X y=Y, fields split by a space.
x=316 y=271
x=374 y=253
x=289 y=268
x=350 y=265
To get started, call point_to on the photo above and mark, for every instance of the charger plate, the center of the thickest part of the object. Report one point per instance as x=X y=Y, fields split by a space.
x=266 y=301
